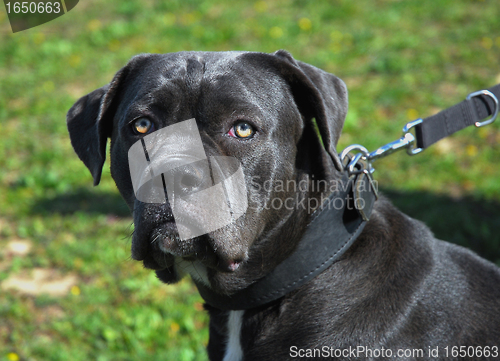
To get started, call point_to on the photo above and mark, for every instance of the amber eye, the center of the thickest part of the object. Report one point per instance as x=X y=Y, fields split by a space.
x=142 y=125
x=242 y=130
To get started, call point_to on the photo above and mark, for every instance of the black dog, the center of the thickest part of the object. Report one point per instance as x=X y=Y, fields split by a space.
x=397 y=292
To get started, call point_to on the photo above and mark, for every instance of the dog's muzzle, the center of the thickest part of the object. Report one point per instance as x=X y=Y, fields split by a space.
x=170 y=165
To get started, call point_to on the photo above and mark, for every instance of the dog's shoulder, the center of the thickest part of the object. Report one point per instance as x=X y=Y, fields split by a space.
x=446 y=292
x=397 y=270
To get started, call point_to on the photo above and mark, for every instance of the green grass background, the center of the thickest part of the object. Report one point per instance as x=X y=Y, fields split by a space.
x=400 y=59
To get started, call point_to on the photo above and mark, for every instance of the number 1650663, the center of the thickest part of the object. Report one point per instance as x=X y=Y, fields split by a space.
x=26 y=7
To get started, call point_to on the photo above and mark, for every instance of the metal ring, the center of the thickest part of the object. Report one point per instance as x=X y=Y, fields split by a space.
x=495 y=111
x=355 y=159
x=352 y=147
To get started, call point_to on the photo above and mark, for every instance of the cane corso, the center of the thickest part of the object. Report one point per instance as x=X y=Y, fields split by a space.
x=396 y=293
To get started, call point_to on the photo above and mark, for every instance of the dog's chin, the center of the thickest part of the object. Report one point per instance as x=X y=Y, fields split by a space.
x=223 y=282
x=172 y=258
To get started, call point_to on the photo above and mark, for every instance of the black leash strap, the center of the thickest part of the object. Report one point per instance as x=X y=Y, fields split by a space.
x=473 y=110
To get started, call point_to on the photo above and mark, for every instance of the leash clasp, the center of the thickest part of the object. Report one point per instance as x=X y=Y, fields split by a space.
x=354 y=164
x=411 y=149
x=495 y=101
x=407 y=141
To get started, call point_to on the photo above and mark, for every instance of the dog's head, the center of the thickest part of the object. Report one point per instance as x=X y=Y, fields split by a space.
x=265 y=110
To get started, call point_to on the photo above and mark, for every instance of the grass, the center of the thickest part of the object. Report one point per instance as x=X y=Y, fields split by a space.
x=400 y=59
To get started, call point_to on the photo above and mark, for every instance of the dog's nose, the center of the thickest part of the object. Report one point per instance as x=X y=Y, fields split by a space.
x=192 y=178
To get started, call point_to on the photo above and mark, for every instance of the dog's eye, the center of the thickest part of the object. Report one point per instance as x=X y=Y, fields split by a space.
x=242 y=130
x=142 y=126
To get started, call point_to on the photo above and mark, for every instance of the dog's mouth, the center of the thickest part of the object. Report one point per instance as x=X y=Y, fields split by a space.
x=163 y=248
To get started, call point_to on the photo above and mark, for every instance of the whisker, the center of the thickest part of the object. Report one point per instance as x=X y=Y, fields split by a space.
x=154 y=240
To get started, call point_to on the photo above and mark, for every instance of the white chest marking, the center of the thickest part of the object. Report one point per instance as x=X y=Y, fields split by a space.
x=233 y=346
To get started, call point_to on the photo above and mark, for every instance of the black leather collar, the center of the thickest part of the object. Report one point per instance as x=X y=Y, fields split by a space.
x=329 y=234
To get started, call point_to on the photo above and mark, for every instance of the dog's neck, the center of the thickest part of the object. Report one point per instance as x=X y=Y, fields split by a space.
x=314 y=253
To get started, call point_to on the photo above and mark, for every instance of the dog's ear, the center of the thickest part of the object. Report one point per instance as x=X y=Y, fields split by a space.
x=87 y=130
x=318 y=94
x=323 y=97
x=90 y=120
